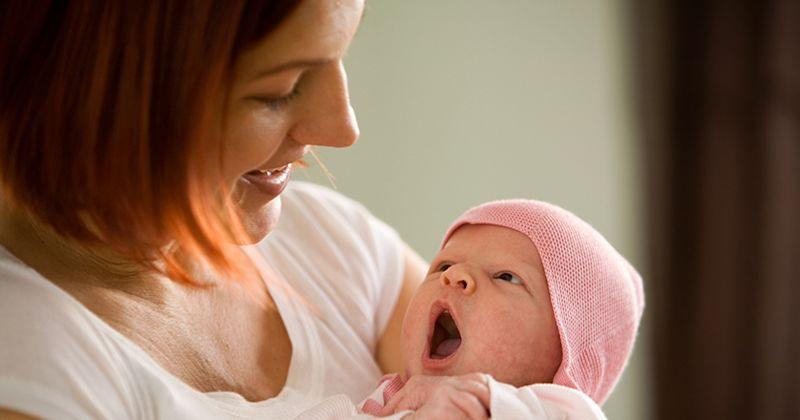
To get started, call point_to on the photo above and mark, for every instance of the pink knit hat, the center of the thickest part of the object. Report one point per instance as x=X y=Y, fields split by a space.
x=596 y=294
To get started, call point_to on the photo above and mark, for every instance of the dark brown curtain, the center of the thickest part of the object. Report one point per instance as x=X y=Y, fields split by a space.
x=719 y=94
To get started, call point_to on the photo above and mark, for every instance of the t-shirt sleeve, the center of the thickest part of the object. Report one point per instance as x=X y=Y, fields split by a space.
x=361 y=256
x=541 y=401
x=388 y=252
x=52 y=364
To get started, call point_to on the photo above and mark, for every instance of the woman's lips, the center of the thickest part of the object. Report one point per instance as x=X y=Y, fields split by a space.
x=270 y=182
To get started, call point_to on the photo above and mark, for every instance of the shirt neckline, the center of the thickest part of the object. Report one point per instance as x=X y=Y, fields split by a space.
x=303 y=363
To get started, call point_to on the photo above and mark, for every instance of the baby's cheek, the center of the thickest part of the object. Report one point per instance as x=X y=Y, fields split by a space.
x=406 y=331
x=411 y=340
x=413 y=322
x=512 y=361
x=507 y=347
x=535 y=356
x=493 y=353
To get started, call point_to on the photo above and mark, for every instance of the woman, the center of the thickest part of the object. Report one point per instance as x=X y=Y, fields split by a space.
x=139 y=142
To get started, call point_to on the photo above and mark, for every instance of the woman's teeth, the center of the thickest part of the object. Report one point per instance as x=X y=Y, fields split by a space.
x=270 y=172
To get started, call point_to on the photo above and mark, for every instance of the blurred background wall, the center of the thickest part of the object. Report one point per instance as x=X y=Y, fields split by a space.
x=718 y=104
x=464 y=101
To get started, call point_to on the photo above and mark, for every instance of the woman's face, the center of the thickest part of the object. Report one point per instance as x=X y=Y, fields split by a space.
x=289 y=92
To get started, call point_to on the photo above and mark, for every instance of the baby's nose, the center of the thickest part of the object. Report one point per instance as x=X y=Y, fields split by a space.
x=459 y=278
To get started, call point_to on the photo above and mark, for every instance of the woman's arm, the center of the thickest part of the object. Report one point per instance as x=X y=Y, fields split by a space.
x=388 y=353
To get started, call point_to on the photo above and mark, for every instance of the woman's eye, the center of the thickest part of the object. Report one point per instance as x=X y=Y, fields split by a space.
x=279 y=102
x=509 y=277
x=443 y=266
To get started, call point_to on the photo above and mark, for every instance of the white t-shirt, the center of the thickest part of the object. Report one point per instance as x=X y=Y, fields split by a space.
x=59 y=360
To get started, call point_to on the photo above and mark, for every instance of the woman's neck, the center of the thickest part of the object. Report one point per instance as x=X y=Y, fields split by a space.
x=185 y=328
x=81 y=270
x=62 y=260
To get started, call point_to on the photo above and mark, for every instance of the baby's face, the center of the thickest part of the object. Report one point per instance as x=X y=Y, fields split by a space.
x=484 y=307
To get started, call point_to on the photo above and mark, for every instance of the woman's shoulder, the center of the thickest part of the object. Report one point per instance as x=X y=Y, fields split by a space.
x=321 y=218
x=30 y=303
x=316 y=200
x=53 y=355
x=338 y=255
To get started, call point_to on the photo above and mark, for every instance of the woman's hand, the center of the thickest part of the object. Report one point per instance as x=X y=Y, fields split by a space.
x=442 y=397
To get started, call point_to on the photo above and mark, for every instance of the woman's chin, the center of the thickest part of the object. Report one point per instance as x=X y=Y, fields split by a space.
x=259 y=222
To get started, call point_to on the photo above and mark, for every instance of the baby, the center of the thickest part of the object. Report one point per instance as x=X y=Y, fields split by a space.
x=527 y=293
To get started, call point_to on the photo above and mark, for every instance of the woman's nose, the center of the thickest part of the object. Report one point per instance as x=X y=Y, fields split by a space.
x=459 y=278
x=326 y=117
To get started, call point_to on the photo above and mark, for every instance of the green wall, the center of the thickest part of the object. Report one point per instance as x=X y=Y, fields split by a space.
x=464 y=101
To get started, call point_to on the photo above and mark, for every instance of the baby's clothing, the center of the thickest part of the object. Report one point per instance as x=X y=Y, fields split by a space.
x=386 y=389
x=596 y=295
x=538 y=401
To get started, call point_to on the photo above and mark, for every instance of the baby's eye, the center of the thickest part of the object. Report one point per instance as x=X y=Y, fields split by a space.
x=443 y=266
x=509 y=277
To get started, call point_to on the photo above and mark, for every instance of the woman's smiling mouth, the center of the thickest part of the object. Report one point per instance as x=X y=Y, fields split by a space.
x=270 y=182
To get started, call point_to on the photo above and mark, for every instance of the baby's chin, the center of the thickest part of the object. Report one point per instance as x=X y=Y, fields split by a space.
x=504 y=374
x=415 y=367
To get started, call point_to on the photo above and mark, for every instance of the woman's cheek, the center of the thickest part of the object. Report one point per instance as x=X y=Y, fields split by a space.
x=252 y=141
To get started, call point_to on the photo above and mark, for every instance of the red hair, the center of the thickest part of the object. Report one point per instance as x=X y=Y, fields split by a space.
x=106 y=117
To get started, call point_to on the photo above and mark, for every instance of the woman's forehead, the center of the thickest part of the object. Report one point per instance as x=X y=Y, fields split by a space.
x=317 y=30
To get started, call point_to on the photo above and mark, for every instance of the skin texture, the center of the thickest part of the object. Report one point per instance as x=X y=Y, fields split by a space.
x=508 y=330
x=442 y=397
x=274 y=116
x=194 y=340
x=389 y=349
x=319 y=114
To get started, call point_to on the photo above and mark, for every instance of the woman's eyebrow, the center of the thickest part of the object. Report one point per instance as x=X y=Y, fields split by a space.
x=290 y=65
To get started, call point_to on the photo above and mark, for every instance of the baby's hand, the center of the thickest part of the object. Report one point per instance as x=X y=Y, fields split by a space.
x=442 y=397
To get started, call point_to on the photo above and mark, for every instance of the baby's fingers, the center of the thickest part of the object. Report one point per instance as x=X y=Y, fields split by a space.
x=470 y=405
x=453 y=404
x=475 y=385
x=392 y=406
x=411 y=396
x=421 y=389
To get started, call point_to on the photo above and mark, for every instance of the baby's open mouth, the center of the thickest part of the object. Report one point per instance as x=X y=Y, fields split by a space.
x=446 y=338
